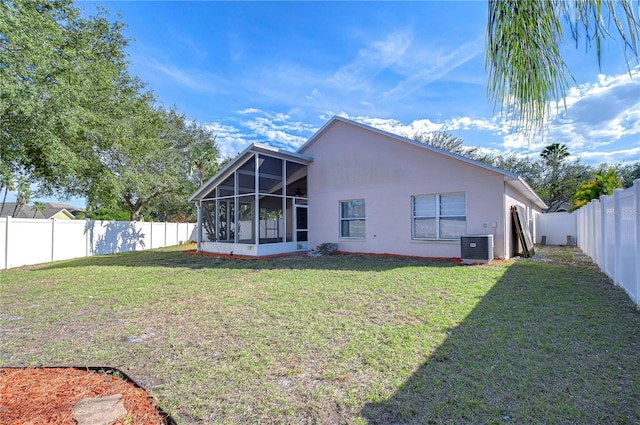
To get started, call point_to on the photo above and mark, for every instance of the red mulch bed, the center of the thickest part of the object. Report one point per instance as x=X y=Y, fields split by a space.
x=37 y=396
x=263 y=257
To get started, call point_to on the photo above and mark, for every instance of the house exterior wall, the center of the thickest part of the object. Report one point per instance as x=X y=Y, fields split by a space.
x=62 y=215
x=353 y=163
x=515 y=198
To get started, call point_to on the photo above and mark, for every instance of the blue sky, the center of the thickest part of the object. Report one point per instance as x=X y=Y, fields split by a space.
x=275 y=72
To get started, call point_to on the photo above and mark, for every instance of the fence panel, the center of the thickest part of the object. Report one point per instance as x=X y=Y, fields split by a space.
x=69 y=239
x=556 y=227
x=159 y=235
x=32 y=241
x=3 y=242
x=609 y=232
x=627 y=257
x=609 y=229
x=31 y=236
x=171 y=234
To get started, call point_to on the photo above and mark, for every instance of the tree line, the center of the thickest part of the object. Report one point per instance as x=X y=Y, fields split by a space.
x=559 y=180
x=75 y=122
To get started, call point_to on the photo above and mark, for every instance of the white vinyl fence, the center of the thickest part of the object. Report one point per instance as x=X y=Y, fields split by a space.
x=609 y=233
x=558 y=228
x=26 y=241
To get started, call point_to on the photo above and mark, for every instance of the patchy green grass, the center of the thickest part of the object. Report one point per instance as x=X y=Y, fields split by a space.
x=337 y=339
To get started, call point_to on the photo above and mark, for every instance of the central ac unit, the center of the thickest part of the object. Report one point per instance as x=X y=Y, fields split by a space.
x=476 y=249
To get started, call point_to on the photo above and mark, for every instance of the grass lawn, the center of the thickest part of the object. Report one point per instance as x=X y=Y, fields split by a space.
x=338 y=339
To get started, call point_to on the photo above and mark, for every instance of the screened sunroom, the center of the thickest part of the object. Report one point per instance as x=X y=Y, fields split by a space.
x=256 y=205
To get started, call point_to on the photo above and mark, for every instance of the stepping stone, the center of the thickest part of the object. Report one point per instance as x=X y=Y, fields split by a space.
x=99 y=411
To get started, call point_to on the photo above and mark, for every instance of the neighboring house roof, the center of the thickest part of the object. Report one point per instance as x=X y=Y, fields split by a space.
x=239 y=159
x=559 y=207
x=51 y=209
x=510 y=178
x=25 y=212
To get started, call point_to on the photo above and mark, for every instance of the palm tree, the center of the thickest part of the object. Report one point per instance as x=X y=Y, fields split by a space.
x=554 y=156
x=555 y=153
x=38 y=206
x=6 y=183
x=204 y=160
x=24 y=195
x=526 y=70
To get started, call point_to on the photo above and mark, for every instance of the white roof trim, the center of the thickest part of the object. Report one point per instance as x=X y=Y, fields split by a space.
x=512 y=178
x=230 y=167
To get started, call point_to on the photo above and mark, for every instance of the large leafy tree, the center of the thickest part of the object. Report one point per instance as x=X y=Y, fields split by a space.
x=63 y=79
x=629 y=173
x=204 y=153
x=525 y=66
x=148 y=170
x=444 y=140
x=74 y=121
x=142 y=165
x=552 y=176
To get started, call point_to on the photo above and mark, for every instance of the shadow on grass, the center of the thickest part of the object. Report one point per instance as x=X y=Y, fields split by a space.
x=553 y=344
x=176 y=258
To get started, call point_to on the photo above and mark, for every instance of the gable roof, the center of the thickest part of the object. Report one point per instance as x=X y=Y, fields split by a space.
x=239 y=160
x=51 y=209
x=510 y=178
x=25 y=212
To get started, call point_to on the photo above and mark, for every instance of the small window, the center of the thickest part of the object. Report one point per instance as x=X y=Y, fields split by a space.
x=352 y=219
x=439 y=216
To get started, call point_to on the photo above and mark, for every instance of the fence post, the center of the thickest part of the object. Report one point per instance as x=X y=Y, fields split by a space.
x=617 y=253
x=6 y=243
x=636 y=193
x=603 y=234
x=53 y=238
x=86 y=239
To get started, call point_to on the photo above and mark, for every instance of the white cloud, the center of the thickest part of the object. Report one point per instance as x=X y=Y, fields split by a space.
x=231 y=140
x=249 y=111
x=181 y=77
x=601 y=123
x=272 y=128
x=441 y=64
x=425 y=125
x=468 y=123
x=612 y=157
x=370 y=61
x=601 y=114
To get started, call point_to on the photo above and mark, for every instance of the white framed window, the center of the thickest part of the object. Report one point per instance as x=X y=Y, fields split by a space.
x=352 y=219
x=438 y=216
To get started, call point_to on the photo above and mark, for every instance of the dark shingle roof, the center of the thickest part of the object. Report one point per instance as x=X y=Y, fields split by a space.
x=27 y=211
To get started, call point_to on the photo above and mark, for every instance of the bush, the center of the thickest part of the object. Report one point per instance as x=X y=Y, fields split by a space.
x=327 y=248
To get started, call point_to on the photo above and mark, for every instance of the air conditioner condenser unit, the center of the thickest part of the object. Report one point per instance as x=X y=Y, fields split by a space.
x=476 y=249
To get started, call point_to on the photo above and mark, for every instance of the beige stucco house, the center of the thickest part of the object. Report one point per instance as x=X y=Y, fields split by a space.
x=366 y=189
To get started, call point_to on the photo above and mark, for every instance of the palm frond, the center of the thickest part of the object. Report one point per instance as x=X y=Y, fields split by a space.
x=526 y=70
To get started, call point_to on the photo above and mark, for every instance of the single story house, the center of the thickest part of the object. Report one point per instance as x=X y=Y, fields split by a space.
x=368 y=190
